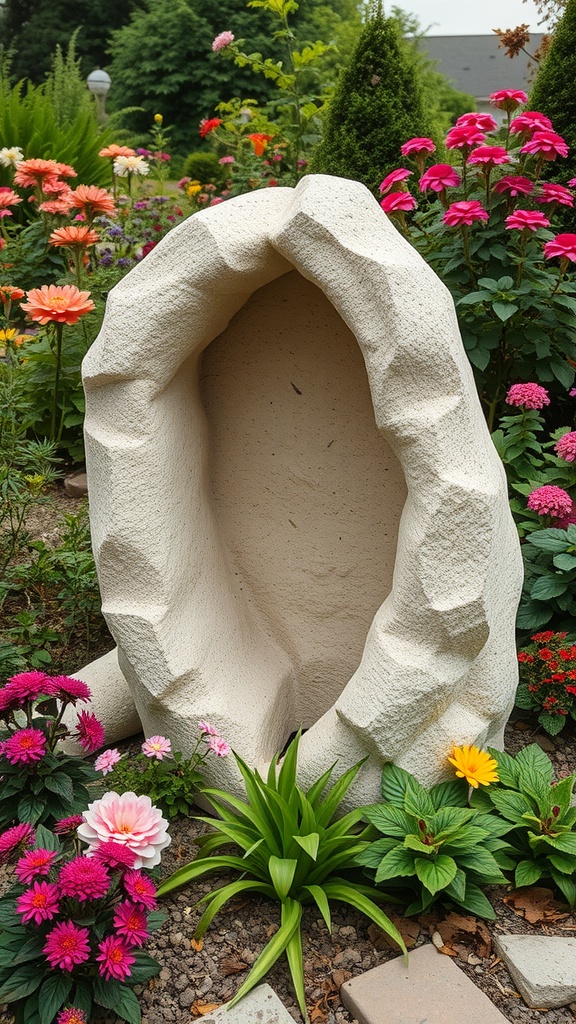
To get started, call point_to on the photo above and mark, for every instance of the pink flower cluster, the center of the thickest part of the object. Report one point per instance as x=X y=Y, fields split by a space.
x=222 y=40
x=565 y=447
x=530 y=395
x=211 y=736
x=550 y=501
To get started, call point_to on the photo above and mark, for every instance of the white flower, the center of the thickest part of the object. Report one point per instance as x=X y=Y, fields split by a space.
x=11 y=156
x=125 y=165
x=130 y=820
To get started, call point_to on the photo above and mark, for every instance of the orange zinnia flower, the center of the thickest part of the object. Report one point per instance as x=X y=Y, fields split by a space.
x=58 y=304
x=113 y=151
x=30 y=173
x=8 y=198
x=60 y=205
x=259 y=140
x=9 y=293
x=74 y=237
x=91 y=200
x=55 y=187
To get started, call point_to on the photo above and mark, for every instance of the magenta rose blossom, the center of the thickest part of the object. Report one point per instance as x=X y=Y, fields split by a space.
x=398 y=201
x=398 y=175
x=563 y=246
x=546 y=144
x=508 y=99
x=550 y=501
x=439 y=177
x=130 y=820
x=565 y=447
x=553 y=193
x=465 y=212
x=530 y=121
x=489 y=155
x=515 y=185
x=464 y=135
x=419 y=144
x=484 y=122
x=530 y=220
x=530 y=395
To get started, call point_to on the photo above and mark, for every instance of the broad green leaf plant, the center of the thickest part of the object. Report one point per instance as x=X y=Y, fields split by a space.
x=286 y=846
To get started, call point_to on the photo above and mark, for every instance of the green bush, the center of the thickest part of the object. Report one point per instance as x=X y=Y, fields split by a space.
x=553 y=91
x=204 y=167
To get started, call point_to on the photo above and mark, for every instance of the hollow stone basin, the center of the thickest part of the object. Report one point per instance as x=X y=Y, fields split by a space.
x=298 y=515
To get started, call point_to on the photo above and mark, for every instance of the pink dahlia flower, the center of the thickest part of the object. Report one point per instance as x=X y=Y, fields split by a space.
x=515 y=185
x=106 y=760
x=489 y=155
x=419 y=144
x=218 y=746
x=140 y=889
x=530 y=121
x=158 y=747
x=207 y=730
x=395 y=201
x=25 y=746
x=67 y=945
x=38 y=904
x=464 y=135
x=130 y=820
x=550 y=501
x=400 y=174
x=70 y=690
x=89 y=731
x=552 y=193
x=29 y=686
x=508 y=99
x=72 y=1016
x=530 y=395
x=484 y=122
x=465 y=212
x=527 y=219
x=222 y=40
x=34 y=862
x=438 y=177
x=114 y=855
x=131 y=923
x=546 y=144
x=84 y=878
x=20 y=836
x=115 y=959
x=565 y=447
x=66 y=826
x=563 y=246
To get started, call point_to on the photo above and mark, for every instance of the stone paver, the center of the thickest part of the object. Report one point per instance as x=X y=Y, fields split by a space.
x=260 y=1006
x=543 y=967
x=430 y=990
x=76 y=485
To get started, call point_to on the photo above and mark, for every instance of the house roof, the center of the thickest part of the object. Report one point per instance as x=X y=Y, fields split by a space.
x=478 y=65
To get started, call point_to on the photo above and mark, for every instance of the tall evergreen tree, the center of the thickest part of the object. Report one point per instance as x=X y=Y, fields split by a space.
x=377 y=105
x=553 y=91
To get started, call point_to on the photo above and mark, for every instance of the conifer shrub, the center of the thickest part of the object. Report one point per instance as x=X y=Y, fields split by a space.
x=553 y=91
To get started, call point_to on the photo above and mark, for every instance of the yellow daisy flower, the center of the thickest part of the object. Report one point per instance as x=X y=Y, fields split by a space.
x=474 y=765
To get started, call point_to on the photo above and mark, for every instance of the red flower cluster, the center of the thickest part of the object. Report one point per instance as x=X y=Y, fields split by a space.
x=548 y=678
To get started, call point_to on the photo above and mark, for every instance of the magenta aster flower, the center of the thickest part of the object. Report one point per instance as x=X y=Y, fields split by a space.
x=222 y=40
x=131 y=923
x=439 y=177
x=530 y=121
x=565 y=447
x=106 y=761
x=140 y=889
x=34 y=862
x=530 y=395
x=29 y=686
x=514 y=184
x=530 y=220
x=489 y=155
x=89 y=731
x=38 y=904
x=130 y=820
x=158 y=747
x=114 y=855
x=218 y=746
x=419 y=144
x=72 y=1016
x=508 y=99
x=25 y=746
x=484 y=122
x=66 y=826
x=206 y=729
x=464 y=135
x=67 y=945
x=400 y=174
x=563 y=246
x=546 y=144
x=70 y=690
x=550 y=501
x=464 y=212
x=20 y=836
x=84 y=878
x=115 y=959
x=396 y=201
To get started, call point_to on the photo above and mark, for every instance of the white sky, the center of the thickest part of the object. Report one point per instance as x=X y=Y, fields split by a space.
x=470 y=17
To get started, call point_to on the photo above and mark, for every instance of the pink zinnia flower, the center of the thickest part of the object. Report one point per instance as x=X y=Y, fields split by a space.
x=225 y=160
x=29 y=686
x=105 y=762
x=552 y=193
x=514 y=184
x=484 y=122
x=530 y=121
x=34 y=862
x=398 y=201
x=530 y=395
x=489 y=155
x=140 y=889
x=550 y=501
x=67 y=945
x=439 y=177
x=66 y=826
x=464 y=135
x=89 y=732
x=218 y=746
x=25 y=746
x=527 y=220
x=157 y=746
x=114 y=855
x=84 y=878
x=222 y=40
x=508 y=99
x=72 y=1016
x=70 y=690
x=131 y=923
x=115 y=959
x=464 y=212
x=19 y=836
x=419 y=144
x=130 y=820
x=38 y=904
x=400 y=174
x=546 y=144
x=206 y=729
x=563 y=246
x=565 y=447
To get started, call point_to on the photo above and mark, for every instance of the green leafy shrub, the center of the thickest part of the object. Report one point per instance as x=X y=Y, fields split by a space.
x=553 y=90
x=204 y=167
x=433 y=845
x=290 y=850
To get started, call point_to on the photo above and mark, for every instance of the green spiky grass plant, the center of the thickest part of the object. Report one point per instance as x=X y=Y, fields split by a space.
x=292 y=852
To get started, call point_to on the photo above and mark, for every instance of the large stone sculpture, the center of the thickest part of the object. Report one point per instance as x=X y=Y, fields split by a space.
x=298 y=516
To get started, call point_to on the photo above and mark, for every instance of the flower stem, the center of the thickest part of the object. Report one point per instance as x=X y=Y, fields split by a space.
x=59 y=328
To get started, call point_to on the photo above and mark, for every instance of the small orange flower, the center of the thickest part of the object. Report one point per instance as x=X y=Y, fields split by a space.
x=30 y=173
x=57 y=304
x=55 y=187
x=259 y=140
x=91 y=200
x=60 y=205
x=8 y=198
x=9 y=293
x=75 y=237
x=113 y=151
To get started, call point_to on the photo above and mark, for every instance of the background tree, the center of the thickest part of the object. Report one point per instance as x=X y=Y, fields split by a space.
x=377 y=105
x=553 y=90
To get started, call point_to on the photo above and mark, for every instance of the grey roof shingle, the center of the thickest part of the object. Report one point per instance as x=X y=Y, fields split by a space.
x=478 y=65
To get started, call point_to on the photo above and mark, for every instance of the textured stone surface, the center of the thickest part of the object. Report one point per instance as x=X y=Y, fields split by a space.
x=260 y=1006
x=429 y=990
x=543 y=967
x=76 y=485
x=267 y=556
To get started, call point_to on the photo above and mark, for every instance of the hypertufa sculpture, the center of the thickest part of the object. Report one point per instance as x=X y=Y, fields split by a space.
x=268 y=555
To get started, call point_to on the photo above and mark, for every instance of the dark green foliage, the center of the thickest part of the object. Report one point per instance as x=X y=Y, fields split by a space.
x=204 y=167
x=553 y=93
x=377 y=105
x=171 y=784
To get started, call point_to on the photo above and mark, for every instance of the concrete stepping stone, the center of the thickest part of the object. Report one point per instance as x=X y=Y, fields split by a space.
x=260 y=1005
x=543 y=968
x=430 y=990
